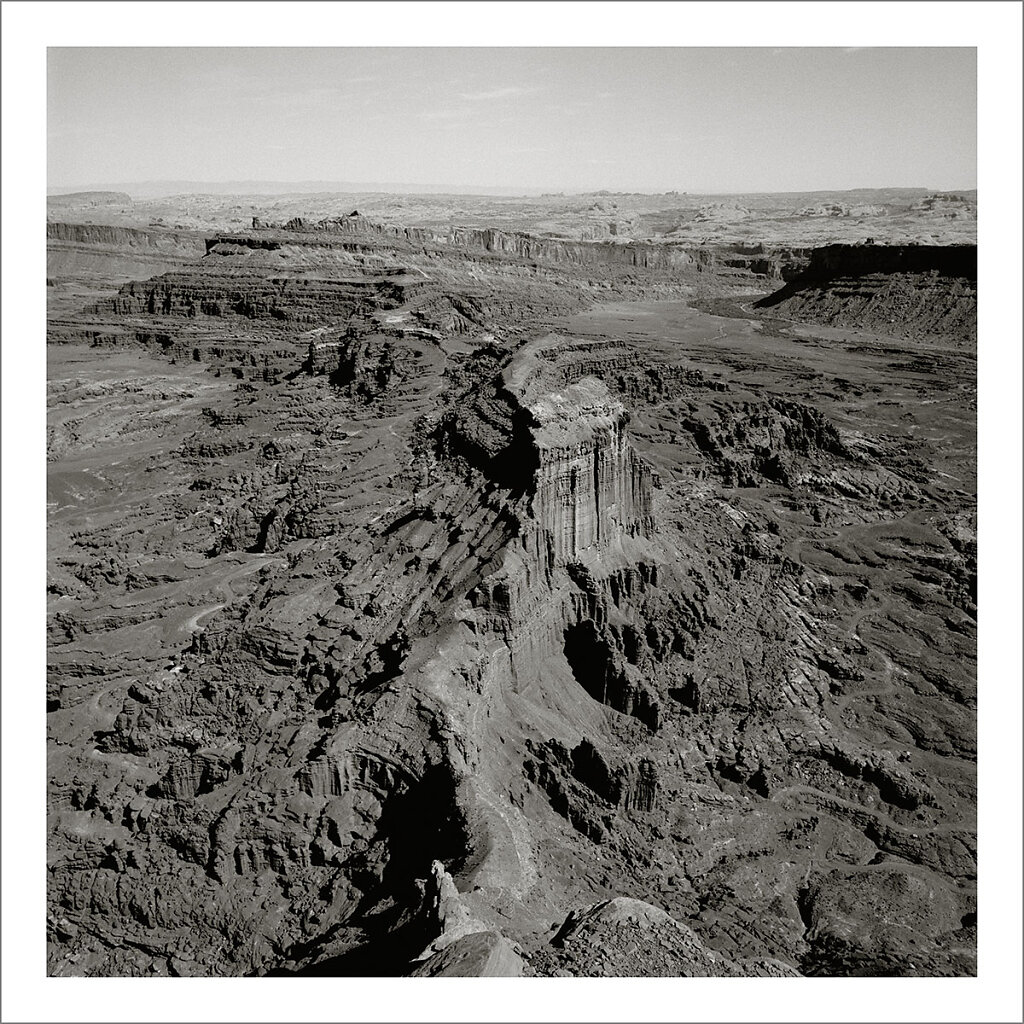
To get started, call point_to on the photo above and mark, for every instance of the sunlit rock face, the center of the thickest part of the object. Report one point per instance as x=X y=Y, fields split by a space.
x=400 y=609
x=591 y=486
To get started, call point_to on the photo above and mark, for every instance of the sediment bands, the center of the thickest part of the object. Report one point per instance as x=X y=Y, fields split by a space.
x=412 y=611
x=915 y=291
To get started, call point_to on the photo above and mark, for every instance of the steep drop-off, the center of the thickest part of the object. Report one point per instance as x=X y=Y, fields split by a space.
x=918 y=292
x=759 y=260
x=432 y=626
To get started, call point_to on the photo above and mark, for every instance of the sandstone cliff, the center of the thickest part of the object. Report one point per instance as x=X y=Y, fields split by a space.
x=914 y=291
x=123 y=237
x=397 y=614
x=609 y=251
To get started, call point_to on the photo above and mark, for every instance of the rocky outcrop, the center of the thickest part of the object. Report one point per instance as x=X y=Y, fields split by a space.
x=230 y=245
x=772 y=262
x=587 y=485
x=748 y=443
x=591 y=487
x=520 y=245
x=292 y=299
x=841 y=210
x=624 y=937
x=831 y=261
x=485 y=954
x=413 y=652
x=948 y=205
x=492 y=432
x=861 y=919
x=590 y=791
x=367 y=364
x=124 y=238
x=445 y=915
x=914 y=291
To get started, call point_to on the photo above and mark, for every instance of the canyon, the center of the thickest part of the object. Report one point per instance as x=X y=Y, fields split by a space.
x=520 y=599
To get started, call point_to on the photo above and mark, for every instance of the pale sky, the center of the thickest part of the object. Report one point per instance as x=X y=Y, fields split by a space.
x=651 y=119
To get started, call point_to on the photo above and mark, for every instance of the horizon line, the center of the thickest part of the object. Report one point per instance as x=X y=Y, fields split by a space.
x=386 y=188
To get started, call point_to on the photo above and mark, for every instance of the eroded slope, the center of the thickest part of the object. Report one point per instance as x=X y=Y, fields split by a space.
x=397 y=611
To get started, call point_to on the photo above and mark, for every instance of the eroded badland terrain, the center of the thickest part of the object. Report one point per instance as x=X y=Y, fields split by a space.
x=574 y=586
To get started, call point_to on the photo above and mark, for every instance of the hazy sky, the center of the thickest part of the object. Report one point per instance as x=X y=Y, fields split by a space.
x=696 y=120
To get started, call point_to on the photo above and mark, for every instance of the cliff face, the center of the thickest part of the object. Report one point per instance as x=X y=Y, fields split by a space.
x=428 y=602
x=565 y=446
x=585 y=523
x=525 y=246
x=775 y=263
x=123 y=238
x=755 y=259
x=842 y=260
x=512 y=243
x=298 y=299
x=103 y=256
x=591 y=486
x=913 y=291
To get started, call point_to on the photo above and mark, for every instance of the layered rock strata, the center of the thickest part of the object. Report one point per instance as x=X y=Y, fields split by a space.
x=914 y=291
x=383 y=655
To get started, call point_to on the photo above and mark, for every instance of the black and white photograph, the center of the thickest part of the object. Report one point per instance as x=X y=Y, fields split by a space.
x=512 y=512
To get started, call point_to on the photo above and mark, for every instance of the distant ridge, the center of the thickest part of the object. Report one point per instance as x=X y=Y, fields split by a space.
x=160 y=189
x=157 y=189
x=97 y=198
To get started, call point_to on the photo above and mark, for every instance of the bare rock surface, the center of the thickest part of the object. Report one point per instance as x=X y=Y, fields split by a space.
x=408 y=593
x=477 y=955
x=918 y=291
x=624 y=937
